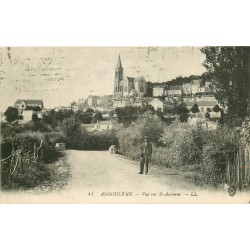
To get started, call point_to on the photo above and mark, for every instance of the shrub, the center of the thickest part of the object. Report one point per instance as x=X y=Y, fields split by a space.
x=131 y=137
x=195 y=108
x=36 y=125
x=220 y=144
x=207 y=115
x=185 y=143
x=11 y=114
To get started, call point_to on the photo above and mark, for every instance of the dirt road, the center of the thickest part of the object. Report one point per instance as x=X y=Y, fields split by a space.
x=100 y=177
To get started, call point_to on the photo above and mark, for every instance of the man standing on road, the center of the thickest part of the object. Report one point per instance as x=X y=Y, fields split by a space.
x=146 y=152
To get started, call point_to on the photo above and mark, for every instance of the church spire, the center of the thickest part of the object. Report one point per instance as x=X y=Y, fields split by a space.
x=119 y=64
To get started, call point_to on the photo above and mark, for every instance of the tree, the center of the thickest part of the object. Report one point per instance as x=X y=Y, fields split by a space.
x=179 y=109
x=146 y=108
x=183 y=117
x=195 y=108
x=159 y=113
x=97 y=117
x=229 y=69
x=11 y=114
x=111 y=113
x=207 y=115
x=20 y=117
x=84 y=117
x=216 y=108
x=35 y=117
x=72 y=131
x=127 y=115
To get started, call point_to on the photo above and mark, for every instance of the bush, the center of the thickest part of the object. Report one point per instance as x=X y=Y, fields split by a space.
x=11 y=114
x=221 y=143
x=131 y=137
x=185 y=143
x=37 y=125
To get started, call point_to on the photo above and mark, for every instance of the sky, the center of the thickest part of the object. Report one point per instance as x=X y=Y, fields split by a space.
x=60 y=75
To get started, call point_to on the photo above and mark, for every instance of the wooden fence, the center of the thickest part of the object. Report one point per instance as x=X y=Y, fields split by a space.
x=238 y=168
x=18 y=159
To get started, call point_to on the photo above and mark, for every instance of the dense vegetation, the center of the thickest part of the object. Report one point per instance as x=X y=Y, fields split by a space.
x=182 y=146
x=229 y=69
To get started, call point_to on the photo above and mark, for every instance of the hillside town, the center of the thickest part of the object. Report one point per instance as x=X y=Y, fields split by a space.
x=134 y=92
x=196 y=125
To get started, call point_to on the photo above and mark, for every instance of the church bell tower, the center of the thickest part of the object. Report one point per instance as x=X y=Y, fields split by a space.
x=118 y=86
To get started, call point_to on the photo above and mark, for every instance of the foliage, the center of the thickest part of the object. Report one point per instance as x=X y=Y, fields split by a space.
x=195 y=108
x=216 y=108
x=229 y=68
x=127 y=115
x=245 y=130
x=97 y=117
x=131 y=137
x=185 y=143
x=37 y=125
x=11 y=114
x=71 y=129
x=35 y=117
x=219 y=145
x=182 y=111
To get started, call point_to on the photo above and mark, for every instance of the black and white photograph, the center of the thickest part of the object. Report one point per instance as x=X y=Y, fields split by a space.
x=125 y=124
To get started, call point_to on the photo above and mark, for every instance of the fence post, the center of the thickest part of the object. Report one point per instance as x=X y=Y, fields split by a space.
x=21 y=161
x=34 y=151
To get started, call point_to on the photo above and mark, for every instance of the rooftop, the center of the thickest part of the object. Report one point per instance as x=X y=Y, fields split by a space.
x=202 y=103
x=29 y=101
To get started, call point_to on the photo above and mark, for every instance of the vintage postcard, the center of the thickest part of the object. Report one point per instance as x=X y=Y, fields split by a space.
x=125 y=125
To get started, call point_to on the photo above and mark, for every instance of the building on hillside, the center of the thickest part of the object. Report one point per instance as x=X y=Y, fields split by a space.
x=204 y=97
x=92 y=100
x=121 y=102
x=125 y=86
x=104 y=108
x=141 y=102
x=27 y=115
x=172 y=99
x=159 y=91
x=63 y=108
x=102 y=126
x=75 y=107
x=28 y=104
x=203 y=106
x=174 y=91
x=189 y=98
x=202 y=89
x=82 y=101
x=208 y=86
x=88 y=127
x=195 y=86
x=187 y=88
x=161 y=104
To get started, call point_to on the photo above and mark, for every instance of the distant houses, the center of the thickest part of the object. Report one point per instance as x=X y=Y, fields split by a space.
x=102 y=126
x=27 y=104
x=27 y=107
x=161 y=104
x=159 y=91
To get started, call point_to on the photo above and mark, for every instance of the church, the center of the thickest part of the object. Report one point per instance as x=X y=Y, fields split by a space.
x=126 y=86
